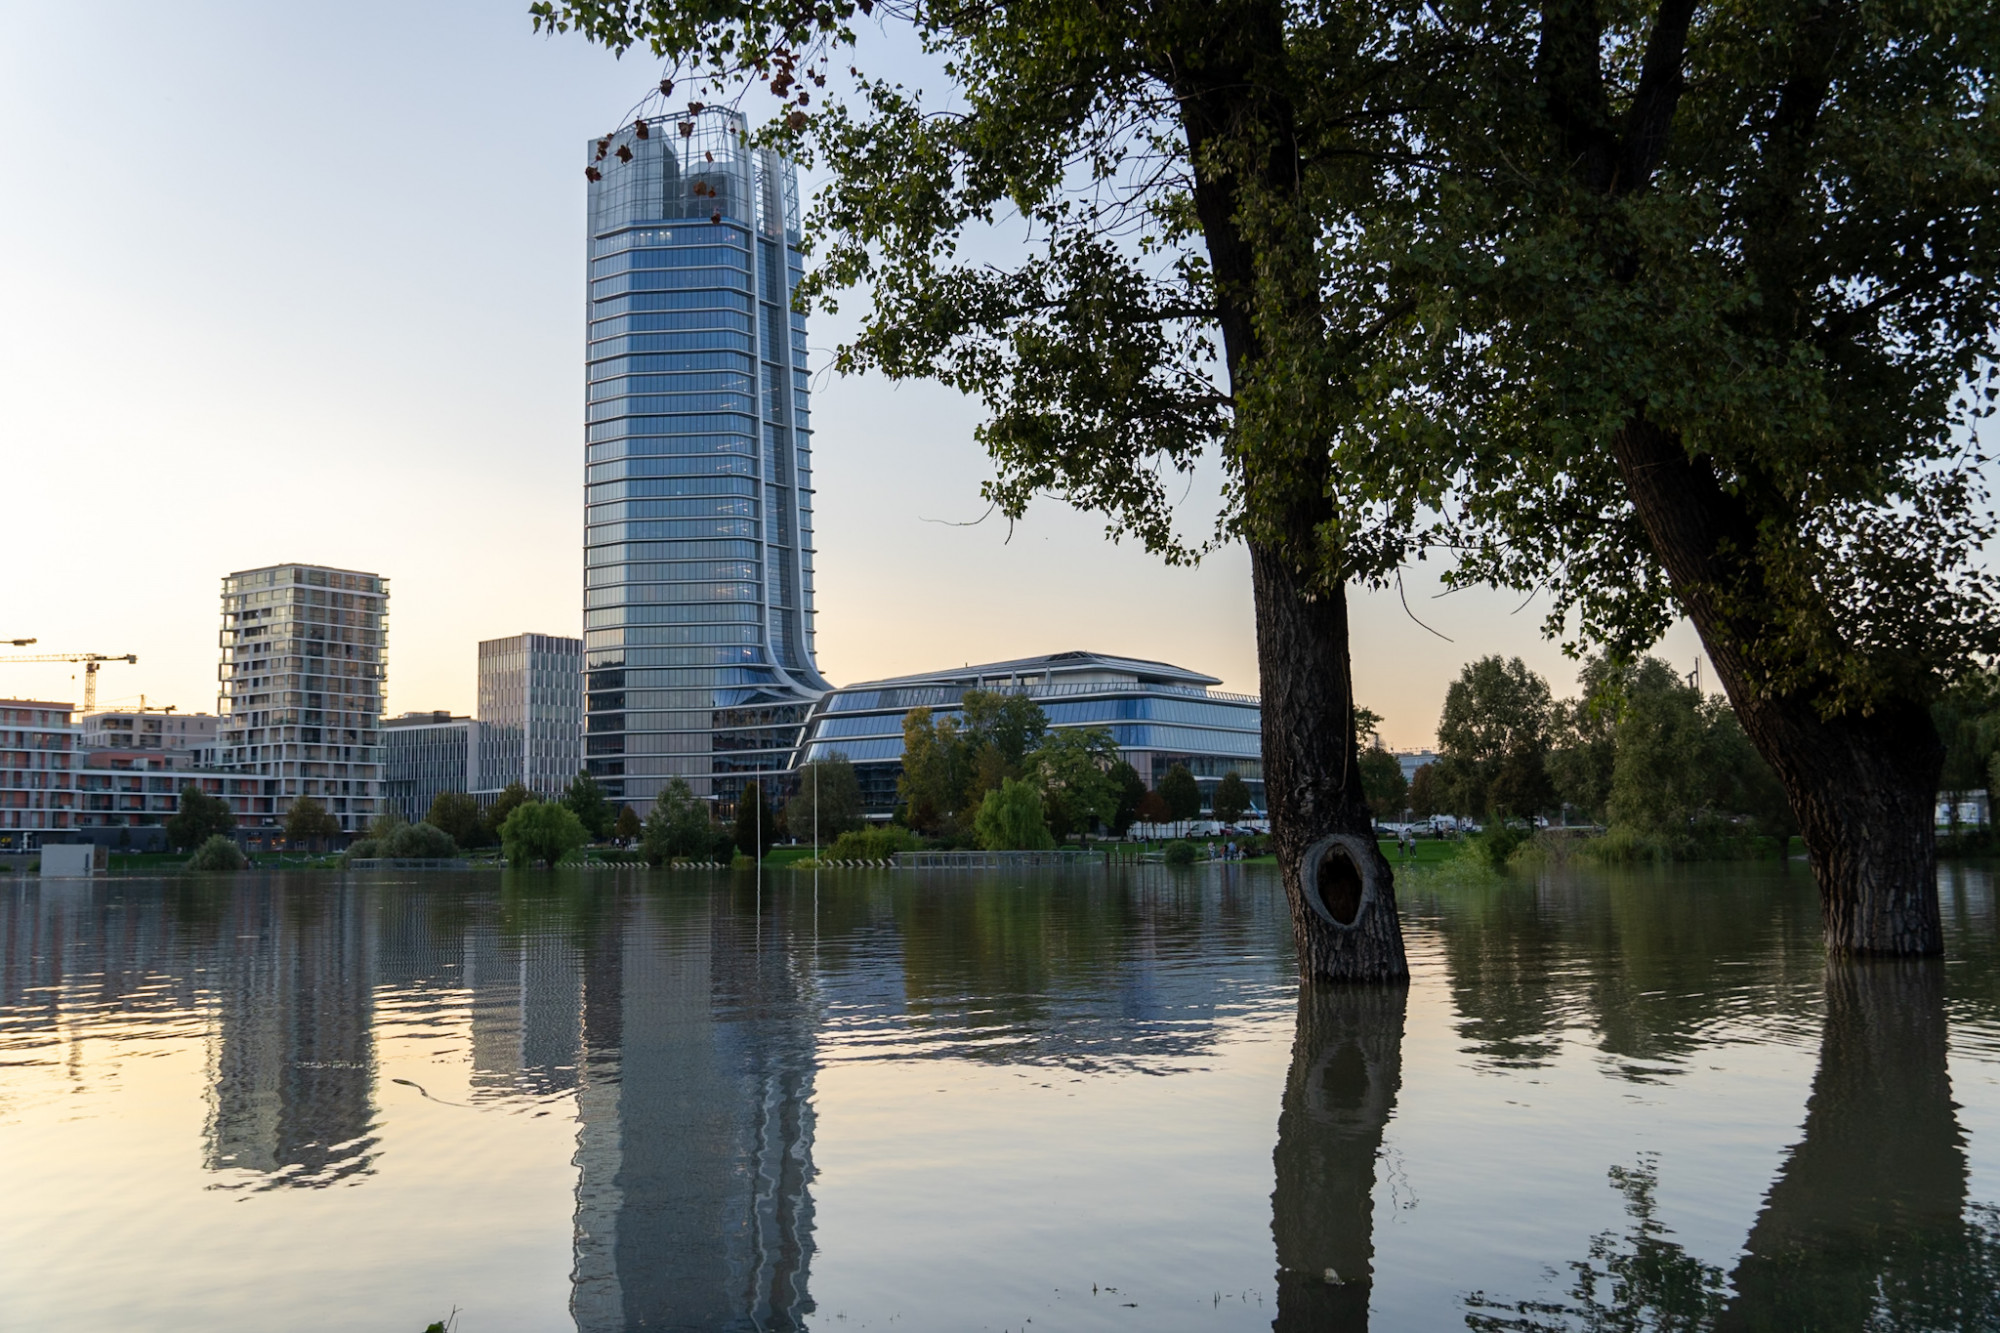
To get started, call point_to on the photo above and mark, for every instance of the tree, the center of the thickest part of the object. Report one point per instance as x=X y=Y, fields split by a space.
x=936 y=767
x=308 y=823
x=1423 y=797
x=541 y=832
x=1073 y=768
x=511 y=798
x=1582 y=739
x=1493 y=740
x=754 y=830
x=1702 y=300
x=829 y=788
x=1180 y=793
x=1131 y=791
x=586 y=801
x=628 y=826
x=1232 y=797
x=1010 y=818
x=1382 y=779
x=1180 y=166
x=677 y=827
x=1153 y=809
x=458 y=815
x=197 y=818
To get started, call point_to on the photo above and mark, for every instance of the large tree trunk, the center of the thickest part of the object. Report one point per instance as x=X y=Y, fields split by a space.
x=1342 y=897
x=1862 y=786
x=1260 y=236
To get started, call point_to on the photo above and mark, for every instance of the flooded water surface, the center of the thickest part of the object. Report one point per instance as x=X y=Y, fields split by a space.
x=1062 y=1101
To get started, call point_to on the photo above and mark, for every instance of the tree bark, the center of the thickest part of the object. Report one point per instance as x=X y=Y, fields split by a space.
x=1312 y=786
x=1862 y=786
x=1259 y=232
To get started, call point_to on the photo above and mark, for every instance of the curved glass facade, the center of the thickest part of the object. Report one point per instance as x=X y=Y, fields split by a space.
x=1159 y=715
x=698 y=635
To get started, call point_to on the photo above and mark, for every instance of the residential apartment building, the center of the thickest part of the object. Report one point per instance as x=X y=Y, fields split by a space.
x=304 y=659
x=427 y=753
x=530 y=726
x=54 y=787
x=37 y=761
x=698 y=619
x=151 y=729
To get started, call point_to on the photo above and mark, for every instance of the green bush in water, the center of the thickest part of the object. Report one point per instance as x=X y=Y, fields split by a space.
x=419 y=841
x=218 y=853
x=872 y=844
x=1181 y=852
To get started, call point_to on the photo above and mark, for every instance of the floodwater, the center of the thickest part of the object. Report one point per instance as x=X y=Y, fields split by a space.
x=1060 y=1101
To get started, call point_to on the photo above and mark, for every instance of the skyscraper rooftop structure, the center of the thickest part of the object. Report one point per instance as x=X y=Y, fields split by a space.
x=304 y=656
x=698 y=613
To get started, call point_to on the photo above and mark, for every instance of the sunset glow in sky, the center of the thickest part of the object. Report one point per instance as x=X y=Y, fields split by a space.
x=305 y=284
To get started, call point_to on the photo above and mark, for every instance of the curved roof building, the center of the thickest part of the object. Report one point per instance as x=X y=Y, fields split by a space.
x=1159 y=714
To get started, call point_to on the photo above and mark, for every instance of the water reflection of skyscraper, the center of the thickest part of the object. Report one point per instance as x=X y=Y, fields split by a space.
x=291 y=1056
x=694 y=1154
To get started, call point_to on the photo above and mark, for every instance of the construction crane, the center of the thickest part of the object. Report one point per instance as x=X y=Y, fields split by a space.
x=91 y=661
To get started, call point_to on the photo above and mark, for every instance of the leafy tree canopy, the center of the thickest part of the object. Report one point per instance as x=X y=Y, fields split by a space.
x=460 y=816
x=756 y=829
x=1010 y=819
x=677 y=827
x=1232 y=797
x=586 y=800
x=541 y=833
x=1181 y=793
x=829 y=800
x=197 y=818
x=308 y=821
x=1073 y=768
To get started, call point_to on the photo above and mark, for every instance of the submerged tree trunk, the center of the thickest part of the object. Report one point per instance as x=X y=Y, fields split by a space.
x=1863 y=787
x=1337 y=882
x=1261 y=239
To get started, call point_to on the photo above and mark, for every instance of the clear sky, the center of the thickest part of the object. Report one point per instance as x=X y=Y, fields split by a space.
x=285 y=282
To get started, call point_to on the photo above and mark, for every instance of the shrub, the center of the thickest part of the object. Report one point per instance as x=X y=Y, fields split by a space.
x=218 y=853
x=1181 y=852
x=872 y=844
x=419 y=841
x=363 y=849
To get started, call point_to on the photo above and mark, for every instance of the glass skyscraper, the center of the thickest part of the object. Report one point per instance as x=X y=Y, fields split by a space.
x=698 y=637
x=530 y=713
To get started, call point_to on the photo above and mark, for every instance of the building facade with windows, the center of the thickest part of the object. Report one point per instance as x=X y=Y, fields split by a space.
x=698 y=619
x=150 y=729
x=38 y=753
x=304 y=661
x=424 y=754
x=530 y=727
x=1160 y=715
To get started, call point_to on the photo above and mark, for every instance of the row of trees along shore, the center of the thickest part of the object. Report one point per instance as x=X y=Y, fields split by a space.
x=1668 y=310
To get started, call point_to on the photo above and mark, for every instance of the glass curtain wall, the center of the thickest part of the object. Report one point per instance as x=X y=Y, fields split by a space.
x=698 y=515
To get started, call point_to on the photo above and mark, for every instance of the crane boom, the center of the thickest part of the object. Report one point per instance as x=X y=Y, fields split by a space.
x=91 y=662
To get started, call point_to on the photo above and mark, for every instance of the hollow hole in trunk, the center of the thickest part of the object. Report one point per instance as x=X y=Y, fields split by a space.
x=1340 y=885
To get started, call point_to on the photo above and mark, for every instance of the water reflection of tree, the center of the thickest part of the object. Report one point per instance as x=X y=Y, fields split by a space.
x=1347 y=1063
x=1867 y=1225
x=1652 y=965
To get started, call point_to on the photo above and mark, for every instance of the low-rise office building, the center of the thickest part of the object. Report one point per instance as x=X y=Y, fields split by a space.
x=1159 y=715
x=427 y=753
x=530 y=713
